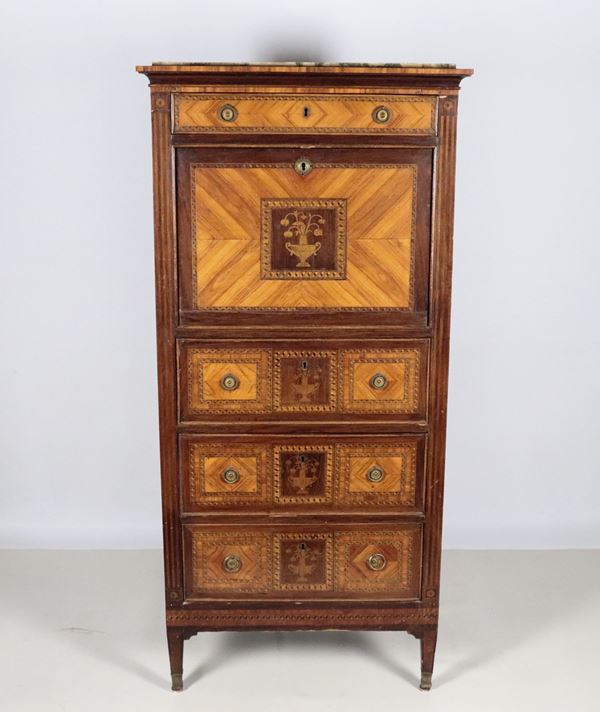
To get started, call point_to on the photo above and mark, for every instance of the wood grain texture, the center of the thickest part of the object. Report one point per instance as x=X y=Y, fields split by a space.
x=307 y=113
x=222 y=256
x=303 y=472
x=208 y=368
x=325 y=562
x=226 y=233
x=267 y=387
x=301 y=537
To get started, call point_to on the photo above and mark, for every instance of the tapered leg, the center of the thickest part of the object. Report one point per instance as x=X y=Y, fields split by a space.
x=175 y=640
x=428 y=641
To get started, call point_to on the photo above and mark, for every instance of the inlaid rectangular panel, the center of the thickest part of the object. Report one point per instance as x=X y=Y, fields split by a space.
x=223 y=476
x=270 y=561
x=380 y=475
x=231 y=561
x=266 y=383
x=270 y=473
x=305 y=381
x=334 y=236
x=381 y=381
x=228 y=380
x=303 y=562
x=381 y=561
x=310 y=113
x=234 y=269
x=303 y=474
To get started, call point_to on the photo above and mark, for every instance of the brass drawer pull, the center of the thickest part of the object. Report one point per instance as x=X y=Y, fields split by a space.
x=232 y=564
x=378 y=382
x=303 y=166
x=228 y=113
x=229 y=382
x=375 y=474
x=230 y=476
x=381 y=114
x=376 y=562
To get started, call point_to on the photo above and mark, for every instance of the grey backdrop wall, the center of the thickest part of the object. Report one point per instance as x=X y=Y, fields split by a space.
x=79 y=453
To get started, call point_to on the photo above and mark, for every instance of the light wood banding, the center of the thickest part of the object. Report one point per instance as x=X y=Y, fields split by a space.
x=309 y=113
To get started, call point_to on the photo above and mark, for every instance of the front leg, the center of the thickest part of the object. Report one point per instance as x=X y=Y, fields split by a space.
x=175 y=640
x=428 y=642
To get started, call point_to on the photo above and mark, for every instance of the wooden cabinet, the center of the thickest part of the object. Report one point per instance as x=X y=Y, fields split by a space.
x=303 y=238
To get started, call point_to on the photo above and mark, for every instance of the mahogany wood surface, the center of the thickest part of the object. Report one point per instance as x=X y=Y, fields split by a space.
x=303 y=240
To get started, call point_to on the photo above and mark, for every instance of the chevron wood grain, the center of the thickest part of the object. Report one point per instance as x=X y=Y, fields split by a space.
x=210 y=551
x=399 y=565
x=400 y=370
x=226 y=234
x=394 y=482
x=198 y=113
x=207 y=371
x=205 y=482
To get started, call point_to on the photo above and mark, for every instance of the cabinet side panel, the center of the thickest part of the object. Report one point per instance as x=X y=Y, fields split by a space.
x=441 y=285
x=166 y=321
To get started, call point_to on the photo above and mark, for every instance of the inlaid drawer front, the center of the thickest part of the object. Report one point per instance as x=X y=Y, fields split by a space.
x=348 y=473
x=331 y=231
x=277 y=562
x=301 y=383
x=310 y=113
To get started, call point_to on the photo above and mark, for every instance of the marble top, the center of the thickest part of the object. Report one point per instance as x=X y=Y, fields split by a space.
x=412 y=65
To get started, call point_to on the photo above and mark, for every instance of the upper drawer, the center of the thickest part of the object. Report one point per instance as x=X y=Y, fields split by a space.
x=314 y=114
x=311 y=381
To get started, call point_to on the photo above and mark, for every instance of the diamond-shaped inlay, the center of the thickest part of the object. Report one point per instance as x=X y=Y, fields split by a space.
x=361 y=557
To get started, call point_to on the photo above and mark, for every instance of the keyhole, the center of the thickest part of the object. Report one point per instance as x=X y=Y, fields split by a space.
x=304 y=365
x=303 y=166
x=306 y=112
x=302 y=458
x=303 y=546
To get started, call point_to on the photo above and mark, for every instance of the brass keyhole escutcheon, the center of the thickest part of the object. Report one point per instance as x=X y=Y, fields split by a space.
x=375 y=474
x=381 y=114
x=378 y=382
x=304 y=365
x=303 y=166
x=306 y=112
x=232 y=564
x=229 y=382
x=230 y=476
x=228 y=113
x=376 y=562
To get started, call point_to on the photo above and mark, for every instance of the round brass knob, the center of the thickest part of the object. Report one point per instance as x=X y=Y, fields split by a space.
x=376 y=562
x=381 y=114
x=375 y=474
x=230 y=476
x=228 y=113
x=378 y=381
x=229 y=382
x=232 y=564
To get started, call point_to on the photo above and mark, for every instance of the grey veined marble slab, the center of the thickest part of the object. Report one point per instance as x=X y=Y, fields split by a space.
x=305 y=64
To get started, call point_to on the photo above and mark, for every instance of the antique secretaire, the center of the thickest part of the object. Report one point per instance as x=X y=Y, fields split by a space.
x=303 y=237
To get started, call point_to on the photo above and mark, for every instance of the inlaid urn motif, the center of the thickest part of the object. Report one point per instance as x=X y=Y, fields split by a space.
x=303 y=239
x=299 y=227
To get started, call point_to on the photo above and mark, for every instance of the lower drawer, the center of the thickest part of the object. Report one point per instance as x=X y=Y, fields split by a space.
x=285 y=562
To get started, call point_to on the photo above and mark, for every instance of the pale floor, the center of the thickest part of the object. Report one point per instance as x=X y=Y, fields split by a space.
x=83 y=631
